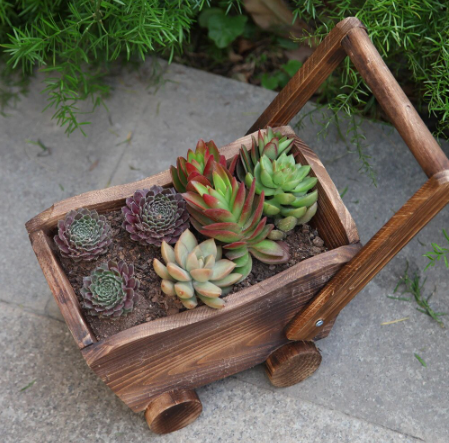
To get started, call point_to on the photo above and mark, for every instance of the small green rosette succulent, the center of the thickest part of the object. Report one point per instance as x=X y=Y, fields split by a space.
x=83 y=235
x=110 y=290
x=270 y=143
x=194 y=270
x=288 y=192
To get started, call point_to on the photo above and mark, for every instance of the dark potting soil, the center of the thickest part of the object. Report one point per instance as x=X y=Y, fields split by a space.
x=304 y=242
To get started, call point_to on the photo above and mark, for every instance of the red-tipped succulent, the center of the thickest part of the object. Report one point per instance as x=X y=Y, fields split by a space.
x=155 y=215
x=198 y=165
x=230 y=214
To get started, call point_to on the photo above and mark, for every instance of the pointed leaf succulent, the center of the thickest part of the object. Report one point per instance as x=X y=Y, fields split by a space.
x=83 y=235
x=110 y=290
x=272 y=144
x=228 y=213
x=198 y=165
x=155 y=215
x=286 y=185
x=194 y=270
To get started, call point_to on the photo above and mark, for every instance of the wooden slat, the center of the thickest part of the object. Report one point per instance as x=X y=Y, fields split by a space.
x=194 y=348
x=62 y=290
x=333 y=220
x=394 y=102
x=397 y=232
x=307 y=80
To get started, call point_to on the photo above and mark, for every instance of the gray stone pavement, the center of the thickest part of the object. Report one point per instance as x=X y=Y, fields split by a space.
x=370 y=387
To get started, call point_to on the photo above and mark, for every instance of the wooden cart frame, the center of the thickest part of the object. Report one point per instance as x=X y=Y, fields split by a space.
x=156 y=366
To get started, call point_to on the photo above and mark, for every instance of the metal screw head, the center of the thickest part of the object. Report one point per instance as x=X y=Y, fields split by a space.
x=319 y=323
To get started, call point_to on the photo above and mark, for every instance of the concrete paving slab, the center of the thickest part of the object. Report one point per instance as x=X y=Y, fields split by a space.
x=369 y=371
x=49 y=395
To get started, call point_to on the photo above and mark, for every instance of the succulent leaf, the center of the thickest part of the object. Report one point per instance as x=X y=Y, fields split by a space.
x=195 y=270
x=155 y=215
x=83 y=235
x=109 y=292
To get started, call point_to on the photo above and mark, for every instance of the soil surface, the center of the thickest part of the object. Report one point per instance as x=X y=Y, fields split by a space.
x=304 y=242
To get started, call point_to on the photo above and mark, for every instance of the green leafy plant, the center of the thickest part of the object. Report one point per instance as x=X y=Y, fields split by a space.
x=414 y=287
x=198 y=165
x=285 y=184
x=83 y=235
x=413 y=39
x=109 y=292
x=155 y=215
x=273 y=144
x=279 y=78
x=438 y=253
x=226 y=212
x=75 y=42
x=223 y=29
x=194 y=270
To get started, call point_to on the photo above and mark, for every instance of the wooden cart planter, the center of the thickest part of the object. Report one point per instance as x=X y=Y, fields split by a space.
x=157 y=365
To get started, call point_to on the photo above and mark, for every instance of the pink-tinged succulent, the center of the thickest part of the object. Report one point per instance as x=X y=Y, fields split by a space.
x=272 y=144
x=83 y=235
x=230 y=214
x=198 y=165
x=109 y=292
x=194 y=270
x=155 y=215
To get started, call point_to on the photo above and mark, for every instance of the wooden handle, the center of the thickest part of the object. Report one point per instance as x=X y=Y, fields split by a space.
x=409 y=220
x=394 y=102
x=308 y=79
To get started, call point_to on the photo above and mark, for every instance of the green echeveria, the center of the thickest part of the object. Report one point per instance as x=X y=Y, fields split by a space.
x=83 y=235
x=272 y=144
x=109 y=292
x=233 y=216
x=286 y=185
x=194 y=270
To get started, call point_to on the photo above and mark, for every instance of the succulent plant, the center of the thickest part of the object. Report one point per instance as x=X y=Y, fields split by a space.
x=198 y=165
x=285 y=184
x=109 y=292
x=226 y=212
x=272 y=144
x=194 y=270
x=155 y=215
x=83 y=235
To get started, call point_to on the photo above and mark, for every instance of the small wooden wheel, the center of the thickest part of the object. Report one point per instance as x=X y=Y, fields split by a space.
x=293 y=363
x=173 y=410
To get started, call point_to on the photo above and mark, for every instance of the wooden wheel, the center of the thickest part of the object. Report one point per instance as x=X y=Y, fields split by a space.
x=173 y=410
x=293 y=363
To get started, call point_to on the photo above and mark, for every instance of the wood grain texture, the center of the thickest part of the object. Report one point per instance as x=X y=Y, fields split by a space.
x=394 y=102
x=172 y=411
x=391 y=238
x=292 y=363
x=194 y=348
x=62 y=290
x=308 y=79
x=331 y=210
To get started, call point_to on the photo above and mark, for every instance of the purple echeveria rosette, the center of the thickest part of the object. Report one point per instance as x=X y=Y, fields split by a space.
x=83 y=235
x=109 y=292
x=155 y=215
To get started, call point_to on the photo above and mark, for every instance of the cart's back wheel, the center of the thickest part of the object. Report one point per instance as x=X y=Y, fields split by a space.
x=293 y=363
x=173 y=410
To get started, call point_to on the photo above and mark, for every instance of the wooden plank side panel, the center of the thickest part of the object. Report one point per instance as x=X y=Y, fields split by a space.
x=428 y=201
x=62 y=290
x=233 y=339
x=333 y=220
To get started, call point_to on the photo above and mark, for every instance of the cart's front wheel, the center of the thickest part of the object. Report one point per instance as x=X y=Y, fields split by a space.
x=173 y=410
x=293 y=363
